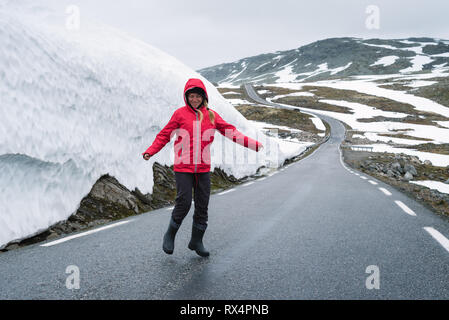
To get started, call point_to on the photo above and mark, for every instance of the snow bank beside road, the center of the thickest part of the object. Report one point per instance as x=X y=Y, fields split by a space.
x=83 y=103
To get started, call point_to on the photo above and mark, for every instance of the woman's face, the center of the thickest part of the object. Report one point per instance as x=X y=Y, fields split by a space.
x=195 y=99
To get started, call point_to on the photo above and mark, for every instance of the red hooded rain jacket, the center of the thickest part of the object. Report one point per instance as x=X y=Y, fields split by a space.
x=194 y=138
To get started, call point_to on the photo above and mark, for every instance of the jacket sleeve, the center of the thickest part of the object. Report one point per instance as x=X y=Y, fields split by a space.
x=230 y=132
x=163 y=137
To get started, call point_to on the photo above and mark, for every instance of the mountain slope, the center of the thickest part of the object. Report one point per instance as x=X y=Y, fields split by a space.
x=334 y=58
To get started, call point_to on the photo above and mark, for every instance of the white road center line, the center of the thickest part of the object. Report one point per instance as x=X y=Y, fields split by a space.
x=83 y=234
x=438 y=237
x=364 y=178
x=227 y=191
x=247 y=184
x=261 y=179
x=388 y=193
x=372 y=182
x=405 y=208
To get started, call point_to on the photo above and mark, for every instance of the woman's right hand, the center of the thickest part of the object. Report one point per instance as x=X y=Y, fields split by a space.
x=146 y=156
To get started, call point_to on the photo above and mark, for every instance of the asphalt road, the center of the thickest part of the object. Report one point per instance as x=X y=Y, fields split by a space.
x=314 y=230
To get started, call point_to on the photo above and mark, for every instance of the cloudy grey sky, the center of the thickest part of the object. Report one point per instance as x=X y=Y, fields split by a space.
x=204 y=33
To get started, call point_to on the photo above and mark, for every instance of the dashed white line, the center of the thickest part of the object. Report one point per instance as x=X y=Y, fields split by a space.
x=364 y=178
x=388 y=193
x=405 y=208
x=438 y=237
x=261 y=179
x=372 y=182
x=227 y=191
x=83 y=234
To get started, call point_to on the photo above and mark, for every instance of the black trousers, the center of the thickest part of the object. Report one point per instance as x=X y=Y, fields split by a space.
x=200 y=183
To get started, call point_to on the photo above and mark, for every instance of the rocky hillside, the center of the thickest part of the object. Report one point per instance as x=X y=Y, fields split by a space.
x=334 y=58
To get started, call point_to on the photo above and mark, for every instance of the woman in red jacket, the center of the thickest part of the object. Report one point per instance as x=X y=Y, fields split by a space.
x=195 y=125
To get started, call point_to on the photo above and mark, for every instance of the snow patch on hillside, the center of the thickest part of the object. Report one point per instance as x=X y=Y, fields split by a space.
x=385 y=61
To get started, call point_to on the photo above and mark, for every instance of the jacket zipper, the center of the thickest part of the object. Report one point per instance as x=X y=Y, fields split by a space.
x=197 y=147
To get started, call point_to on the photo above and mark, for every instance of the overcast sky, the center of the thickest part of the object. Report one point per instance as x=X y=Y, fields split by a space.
x=203 y=33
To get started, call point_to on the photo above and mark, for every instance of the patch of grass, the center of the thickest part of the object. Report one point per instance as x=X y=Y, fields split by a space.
x=302 y=101
x=401 y=130
x=408 y=119
x=380 y=103
x=224 y=90
x=283 y=117
x=398 y=86
x=438 y=92
x=238 y=95
x=431 y=147
x=403 y=136
x=377 y=102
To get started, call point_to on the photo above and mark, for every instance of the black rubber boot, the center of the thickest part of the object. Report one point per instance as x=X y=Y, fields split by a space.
x=168 y=244
x=196 y=242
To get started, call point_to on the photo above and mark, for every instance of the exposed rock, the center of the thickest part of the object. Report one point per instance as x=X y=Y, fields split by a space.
x=387 y=167
x=108 y=200
x=164 y=188
x=12 y=246
x=415 y=160
x=408 y=176
x=410 y=168
x=428 y=162
x=397 y=167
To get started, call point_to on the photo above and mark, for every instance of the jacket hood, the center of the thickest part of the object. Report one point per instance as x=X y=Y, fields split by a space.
x=192 y=83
